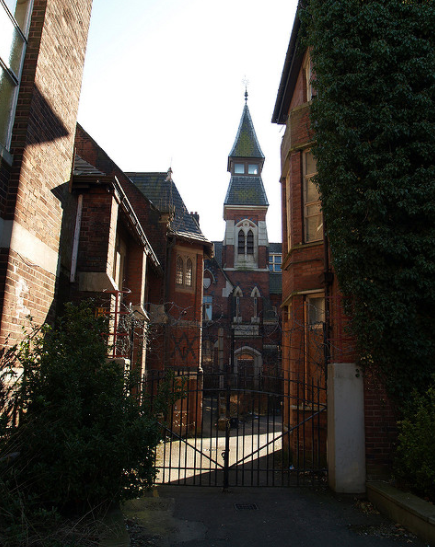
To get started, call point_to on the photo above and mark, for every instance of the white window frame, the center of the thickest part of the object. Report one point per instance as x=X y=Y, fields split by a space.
x=14 y=76
x=274 y=264
x=185 y=277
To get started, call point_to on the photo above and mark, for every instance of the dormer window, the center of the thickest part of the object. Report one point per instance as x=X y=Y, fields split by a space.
x=239 y=168
x=253 y=169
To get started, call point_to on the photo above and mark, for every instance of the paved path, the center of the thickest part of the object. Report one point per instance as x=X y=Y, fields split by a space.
x=261 y=517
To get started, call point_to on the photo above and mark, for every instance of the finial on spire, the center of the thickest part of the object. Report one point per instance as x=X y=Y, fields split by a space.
x=169 y=174
x=246 y=82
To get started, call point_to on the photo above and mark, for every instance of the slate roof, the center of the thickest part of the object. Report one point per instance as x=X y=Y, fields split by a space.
x=246 y=190
x=246 y=144
x=275 y=248
x=161 y=190
x=218 y=249
x=82 y=167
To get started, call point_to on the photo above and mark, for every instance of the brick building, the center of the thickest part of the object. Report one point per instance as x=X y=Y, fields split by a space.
x=40 y=81
x=314 y=325
x=175 y=303
x=72 y=223
x=242 y=283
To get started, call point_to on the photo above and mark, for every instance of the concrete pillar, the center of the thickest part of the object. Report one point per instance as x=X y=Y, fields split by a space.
x=346 y=439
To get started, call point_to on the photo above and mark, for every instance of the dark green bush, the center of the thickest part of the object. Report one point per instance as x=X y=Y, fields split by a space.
x=415 y=458
x=84 y=437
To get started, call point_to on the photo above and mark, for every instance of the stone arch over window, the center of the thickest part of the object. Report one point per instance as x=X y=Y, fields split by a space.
x=208 y=279
x=255 y=295
x=246 y=234
x=238 y=294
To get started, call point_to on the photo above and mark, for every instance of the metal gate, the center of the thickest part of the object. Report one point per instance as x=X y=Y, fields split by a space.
x=241 y=429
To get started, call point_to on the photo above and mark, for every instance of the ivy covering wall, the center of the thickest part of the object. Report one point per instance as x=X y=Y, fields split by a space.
x=374 y=119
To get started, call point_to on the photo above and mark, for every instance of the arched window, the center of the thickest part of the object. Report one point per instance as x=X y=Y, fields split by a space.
x=241 y=243
x=189 y=271
x=250 y=243
x=179 y=276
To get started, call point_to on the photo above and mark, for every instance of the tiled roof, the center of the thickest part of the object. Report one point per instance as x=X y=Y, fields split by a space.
x=82 y=167
x=218 y=248
x=275 y=248
x=160 y=189
x=246 y=190
x=246 y=144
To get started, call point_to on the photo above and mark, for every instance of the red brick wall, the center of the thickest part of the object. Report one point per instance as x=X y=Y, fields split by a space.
x=380 y=428
x=303 y=270
x=42 y=145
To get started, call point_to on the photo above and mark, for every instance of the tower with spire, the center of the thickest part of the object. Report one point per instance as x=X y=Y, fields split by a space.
x=242 y=283
x=246 y=204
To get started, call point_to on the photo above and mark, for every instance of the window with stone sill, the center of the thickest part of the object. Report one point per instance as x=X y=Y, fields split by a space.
x=15 y=18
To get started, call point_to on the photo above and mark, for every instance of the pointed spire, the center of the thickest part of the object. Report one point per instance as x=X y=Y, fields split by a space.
x=246 y=144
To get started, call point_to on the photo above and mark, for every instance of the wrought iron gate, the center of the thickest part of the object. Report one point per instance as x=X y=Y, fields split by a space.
x=241 y=429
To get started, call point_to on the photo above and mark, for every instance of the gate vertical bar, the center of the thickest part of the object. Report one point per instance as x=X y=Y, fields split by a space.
x=230 y=365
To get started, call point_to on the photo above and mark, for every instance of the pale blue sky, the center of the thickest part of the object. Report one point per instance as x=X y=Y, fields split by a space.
x=163 y=87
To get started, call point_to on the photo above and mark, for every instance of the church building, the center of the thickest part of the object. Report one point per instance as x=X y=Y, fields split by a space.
x=242 y=283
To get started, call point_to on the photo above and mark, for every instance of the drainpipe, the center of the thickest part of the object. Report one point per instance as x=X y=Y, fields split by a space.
x=328 y=276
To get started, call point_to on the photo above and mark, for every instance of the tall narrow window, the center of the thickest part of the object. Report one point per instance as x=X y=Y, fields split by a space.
x=14 y=22
x=241 y=242
x=207 y=308
x=250 y=243
x=312 y=207
x=179 y=276
x=189 y=273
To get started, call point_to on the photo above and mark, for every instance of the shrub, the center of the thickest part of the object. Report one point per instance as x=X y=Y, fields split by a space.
x=415 y=458
x=84 y=437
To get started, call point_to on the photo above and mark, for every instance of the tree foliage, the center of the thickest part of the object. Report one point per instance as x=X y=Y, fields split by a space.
x=374 y=121
x=415 y=455
x=84 y=438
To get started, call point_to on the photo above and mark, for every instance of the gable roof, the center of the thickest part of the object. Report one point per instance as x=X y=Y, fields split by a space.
x=161 y=190
x=246 y=190
x=86 y=174
x=246 y=144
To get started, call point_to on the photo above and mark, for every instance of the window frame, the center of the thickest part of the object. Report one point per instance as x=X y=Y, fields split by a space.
x=185 y=271
x=320 y=311
x=309 y=206
x=13 y=76
x=273 y=264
